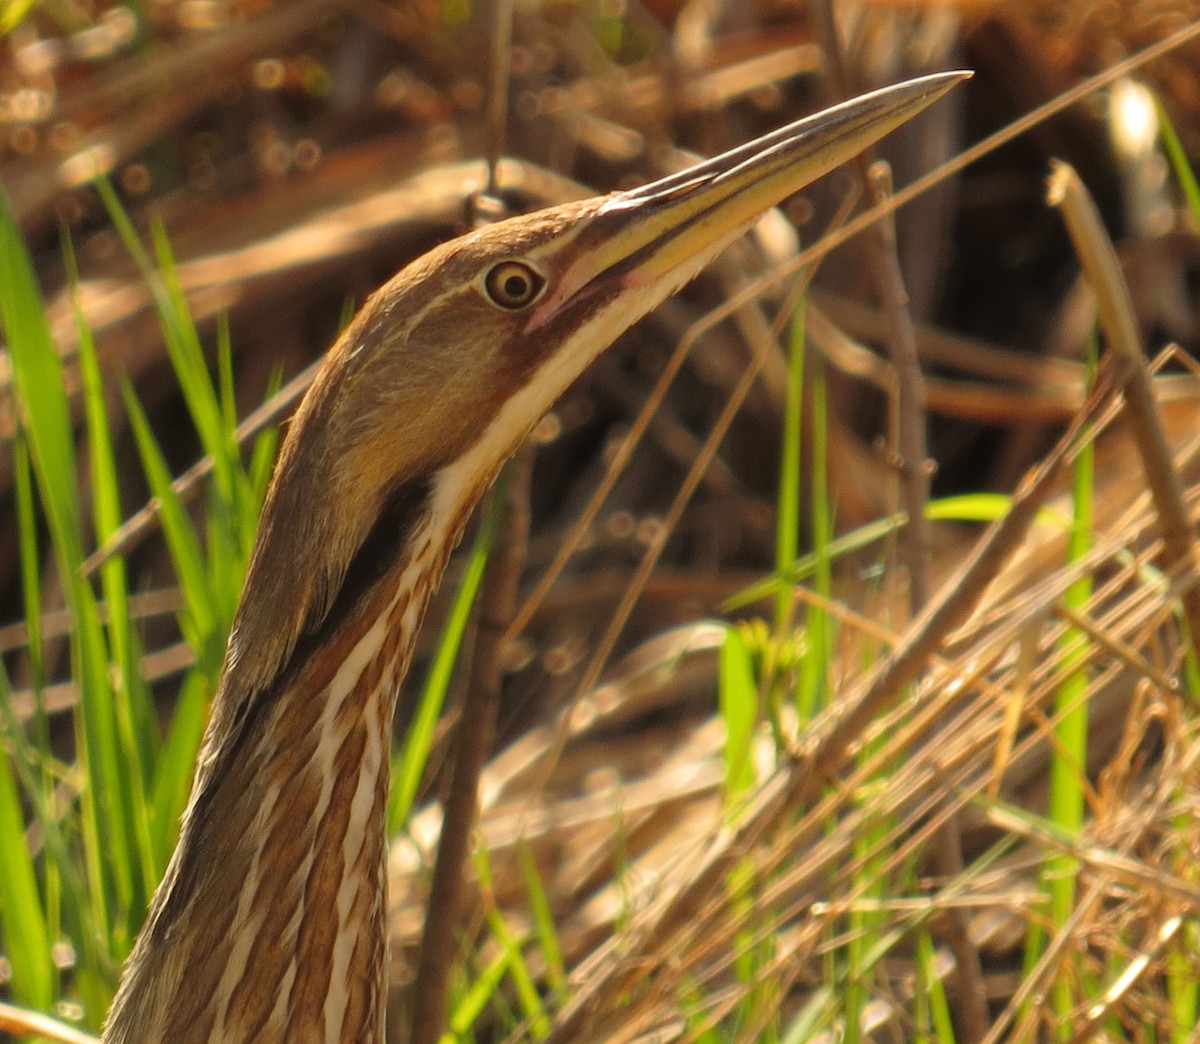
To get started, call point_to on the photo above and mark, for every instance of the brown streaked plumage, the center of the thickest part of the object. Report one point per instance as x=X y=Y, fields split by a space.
x=269 y=923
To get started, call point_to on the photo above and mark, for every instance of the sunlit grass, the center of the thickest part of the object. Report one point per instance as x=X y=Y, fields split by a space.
x=106 y=824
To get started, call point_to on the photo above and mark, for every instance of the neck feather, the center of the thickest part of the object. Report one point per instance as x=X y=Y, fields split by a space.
x=270 y=922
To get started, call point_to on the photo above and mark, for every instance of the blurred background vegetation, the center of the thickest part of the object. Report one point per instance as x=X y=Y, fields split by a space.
x=198 y=193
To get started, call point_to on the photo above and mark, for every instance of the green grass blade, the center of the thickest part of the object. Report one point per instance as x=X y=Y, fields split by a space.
x=543 y=919
x=813 y=689
x=1183 y=987
x=31 y=588
x=38 y=380
x=526 y=992
x=969 y=507
x=262 y=463
x=737 y=696
x=177 y=760
x=191 y=369
x=13 y=13
x=25 y=935
x=241 y=521
x=133 y=708
x=66 y=905
x=1181 y=166
x=200 y=615
x=787 y=504
x=1068 y=765
x=226 y=393
x=466 y=1013
x=37 y=376
x=931 y=994
x=180 y=337
x=805 y=566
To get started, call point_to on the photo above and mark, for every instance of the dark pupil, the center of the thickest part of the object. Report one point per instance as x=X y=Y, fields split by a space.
x=515 y=286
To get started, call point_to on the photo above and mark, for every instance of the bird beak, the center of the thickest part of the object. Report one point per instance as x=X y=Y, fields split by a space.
x=664 y=232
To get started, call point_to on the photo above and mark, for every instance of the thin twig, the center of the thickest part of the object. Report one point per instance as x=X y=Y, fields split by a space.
x=913 y=467
x=913 y=549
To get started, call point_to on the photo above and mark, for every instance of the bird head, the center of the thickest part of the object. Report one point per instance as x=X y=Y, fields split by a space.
x=450 y=364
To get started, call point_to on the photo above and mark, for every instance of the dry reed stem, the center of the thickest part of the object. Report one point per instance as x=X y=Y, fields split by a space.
x=20 y=1022
x=1099 y=260
x=821 y=754
x=947 y=735
x=1134 y=624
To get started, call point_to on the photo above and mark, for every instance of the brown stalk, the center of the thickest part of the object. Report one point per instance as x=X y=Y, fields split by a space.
x=23 y=1023
x=909 y=405
x=476 y=728
x=499 y=73
x=1099 y=260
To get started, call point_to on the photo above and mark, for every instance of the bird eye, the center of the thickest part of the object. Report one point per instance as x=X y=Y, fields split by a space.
x=513 y=285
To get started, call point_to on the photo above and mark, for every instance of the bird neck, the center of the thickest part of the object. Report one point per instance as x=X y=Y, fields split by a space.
x=270 y=921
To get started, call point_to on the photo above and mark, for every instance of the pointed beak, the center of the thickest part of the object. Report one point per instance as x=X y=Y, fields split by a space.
x=664 y=232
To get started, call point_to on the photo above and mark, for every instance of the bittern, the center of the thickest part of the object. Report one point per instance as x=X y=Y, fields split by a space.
x=269 y=923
